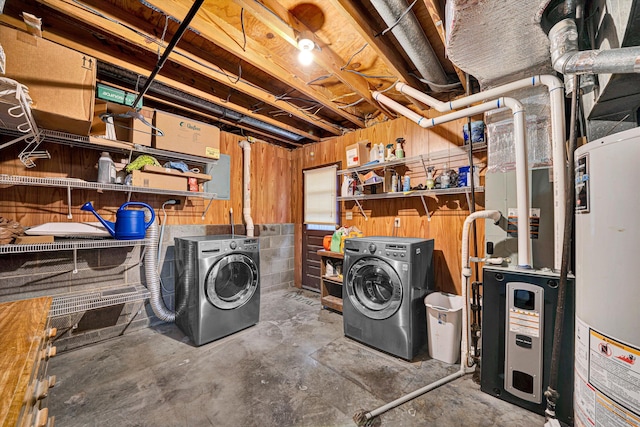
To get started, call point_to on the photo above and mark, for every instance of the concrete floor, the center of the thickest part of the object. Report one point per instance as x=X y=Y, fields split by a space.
x=295 y=368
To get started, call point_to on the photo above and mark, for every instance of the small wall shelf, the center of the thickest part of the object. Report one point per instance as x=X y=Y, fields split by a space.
x=330 y=286
x=73 y=183
x=453 y=157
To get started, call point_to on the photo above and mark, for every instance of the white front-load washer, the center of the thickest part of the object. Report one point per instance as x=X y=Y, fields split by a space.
x=217 y=285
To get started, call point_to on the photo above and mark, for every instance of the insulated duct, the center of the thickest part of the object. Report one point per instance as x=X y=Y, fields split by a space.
x=496 y=41
x=151 y=272
x=131 y=79
x=414 y=42
x=567 y=59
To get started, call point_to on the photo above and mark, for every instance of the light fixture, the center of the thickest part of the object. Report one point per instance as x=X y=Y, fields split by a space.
x=306 y=46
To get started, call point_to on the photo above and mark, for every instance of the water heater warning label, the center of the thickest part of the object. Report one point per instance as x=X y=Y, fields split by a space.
x=607 y=382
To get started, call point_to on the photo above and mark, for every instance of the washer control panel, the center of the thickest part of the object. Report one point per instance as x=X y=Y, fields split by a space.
x=395 y=251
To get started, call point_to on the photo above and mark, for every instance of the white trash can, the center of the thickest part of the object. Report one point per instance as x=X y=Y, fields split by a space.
x=444 y=326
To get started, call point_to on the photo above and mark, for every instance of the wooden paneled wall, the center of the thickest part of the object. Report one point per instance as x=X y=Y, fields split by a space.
x=270 y=195
x=447 y=212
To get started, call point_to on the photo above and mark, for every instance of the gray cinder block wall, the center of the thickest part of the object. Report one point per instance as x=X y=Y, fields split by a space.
x=111 y=270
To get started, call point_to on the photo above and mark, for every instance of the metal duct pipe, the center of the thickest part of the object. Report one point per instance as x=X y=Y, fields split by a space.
x=158 y=88
x=413 y=40
x=568 y=59
x=246 y=186
x=151 y=273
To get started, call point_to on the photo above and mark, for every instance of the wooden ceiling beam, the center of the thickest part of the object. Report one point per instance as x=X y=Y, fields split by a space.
x=82 y=46
x=222 y=34
x=391 y=59
x=134 y=37
x=438 y=22
x=286 y=25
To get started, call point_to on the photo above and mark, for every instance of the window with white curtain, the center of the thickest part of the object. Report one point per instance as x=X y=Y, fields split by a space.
x=320 y=195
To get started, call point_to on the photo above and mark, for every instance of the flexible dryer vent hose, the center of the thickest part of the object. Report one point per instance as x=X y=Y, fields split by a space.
x=151 y=273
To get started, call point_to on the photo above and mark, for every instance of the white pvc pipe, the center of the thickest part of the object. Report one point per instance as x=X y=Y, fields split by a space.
x=522 y=169
x=556 y=94
x=464 y=351
x=246 y=186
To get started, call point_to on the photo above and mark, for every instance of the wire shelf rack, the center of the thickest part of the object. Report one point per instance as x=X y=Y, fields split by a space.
x=15 y=115
x=415 y=193
x=66 y=245
x=74 y=183
x=75 y=303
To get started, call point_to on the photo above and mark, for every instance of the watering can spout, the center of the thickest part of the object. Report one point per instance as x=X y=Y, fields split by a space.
x=110 y=226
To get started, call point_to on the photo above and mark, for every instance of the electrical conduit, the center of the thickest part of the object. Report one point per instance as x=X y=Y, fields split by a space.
x=555 y=88
x=464 y=343
x=522 y=169
x=151 y=273
x=246 y=186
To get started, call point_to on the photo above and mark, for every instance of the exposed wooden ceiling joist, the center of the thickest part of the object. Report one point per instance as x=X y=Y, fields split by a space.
x=287 y=26
x=220 y=32
x=127 y=64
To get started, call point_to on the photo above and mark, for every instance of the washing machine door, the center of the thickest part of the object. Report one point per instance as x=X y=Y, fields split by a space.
x=374 y=288
x=231 y=281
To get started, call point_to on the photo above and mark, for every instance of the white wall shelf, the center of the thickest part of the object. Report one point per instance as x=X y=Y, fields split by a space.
x=453 y=157
x=73 y=245
x=73 y=184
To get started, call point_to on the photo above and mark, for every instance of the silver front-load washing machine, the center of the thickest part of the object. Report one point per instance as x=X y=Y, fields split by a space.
x=217 y=285
x=385 y=282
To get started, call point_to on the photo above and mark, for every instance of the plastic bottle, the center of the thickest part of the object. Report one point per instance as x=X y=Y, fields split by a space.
x=106 y=169
x=400 y=148
x=445 y=179
x=373 y=153
x=406 y=186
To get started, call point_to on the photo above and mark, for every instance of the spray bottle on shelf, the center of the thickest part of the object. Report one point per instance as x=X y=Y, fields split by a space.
x=430 y=183
x=400 y=148
x=390 y=155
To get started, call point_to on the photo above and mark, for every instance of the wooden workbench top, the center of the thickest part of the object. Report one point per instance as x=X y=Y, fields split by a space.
x=23 y=326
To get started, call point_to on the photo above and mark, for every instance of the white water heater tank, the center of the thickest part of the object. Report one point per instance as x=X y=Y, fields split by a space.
x=607 y=330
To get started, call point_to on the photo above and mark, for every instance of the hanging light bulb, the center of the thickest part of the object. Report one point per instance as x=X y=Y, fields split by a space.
x=306 y=46
x=305 y=57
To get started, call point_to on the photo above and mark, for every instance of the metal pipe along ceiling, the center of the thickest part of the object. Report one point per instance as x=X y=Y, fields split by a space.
x=130 y=78
x=413 y=41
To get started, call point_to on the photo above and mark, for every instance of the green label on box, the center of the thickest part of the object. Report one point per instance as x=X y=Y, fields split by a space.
x=118 y=96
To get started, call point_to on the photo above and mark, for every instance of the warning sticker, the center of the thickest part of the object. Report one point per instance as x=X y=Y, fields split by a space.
x=614 y=370
x=607 y=383
x=524 y=322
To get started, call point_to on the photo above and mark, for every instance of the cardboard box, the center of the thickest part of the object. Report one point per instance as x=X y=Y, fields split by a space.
x=156 y=180
x=61 y=81
x=32 y=240
x=357 y=154
x=184 y=135
x=201 y=177
x=127 y=129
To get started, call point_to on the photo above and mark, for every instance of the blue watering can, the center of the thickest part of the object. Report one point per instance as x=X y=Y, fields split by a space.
x=129 y=224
